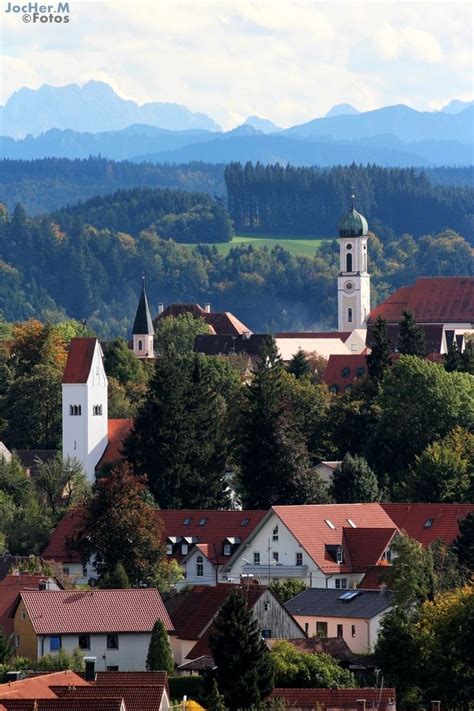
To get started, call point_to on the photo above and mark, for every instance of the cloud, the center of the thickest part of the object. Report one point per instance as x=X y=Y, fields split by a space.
x=288 y=60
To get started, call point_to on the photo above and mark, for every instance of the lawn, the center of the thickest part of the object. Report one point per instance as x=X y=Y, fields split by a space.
x=304 y=246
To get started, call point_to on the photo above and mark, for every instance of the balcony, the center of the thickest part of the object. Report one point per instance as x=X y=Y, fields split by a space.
x=275 y=570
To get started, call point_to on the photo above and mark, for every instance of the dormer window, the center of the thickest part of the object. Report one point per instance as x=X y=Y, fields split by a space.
x=227 y=549
x=169 y=549
x=184 y=548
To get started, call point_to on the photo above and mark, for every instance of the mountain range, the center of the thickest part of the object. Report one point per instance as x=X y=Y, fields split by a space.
x=76 y=122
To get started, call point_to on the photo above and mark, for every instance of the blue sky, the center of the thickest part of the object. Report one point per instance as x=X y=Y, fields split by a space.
x=281 y=59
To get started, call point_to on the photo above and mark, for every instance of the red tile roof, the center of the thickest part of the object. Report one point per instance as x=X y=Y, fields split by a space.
x=143 y=678
x=58 y=548
x=412 y=518
x=136 y=698
x=220 y=322
x=10 y=586
x=79 y=360
x=308 y=525
x=431 y=300
x=366 y=545
x=38 y=687
x=118 y=430
x=218 y=526
x=95 y=611
x=193 y=610
x=353 y=362
x=334 y=698
x=102 y=704
x=373 y=578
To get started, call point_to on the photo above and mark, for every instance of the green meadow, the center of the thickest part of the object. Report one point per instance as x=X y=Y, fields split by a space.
x=297 y=246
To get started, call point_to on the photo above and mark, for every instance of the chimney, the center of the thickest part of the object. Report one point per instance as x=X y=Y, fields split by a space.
x=13 y=675
x=360 y=704
x=90 y=668
x=435 y=705
x=161 y=308
x=207 y=308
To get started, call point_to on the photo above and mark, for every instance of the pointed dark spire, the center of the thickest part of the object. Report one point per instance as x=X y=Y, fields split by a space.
x=143 y=325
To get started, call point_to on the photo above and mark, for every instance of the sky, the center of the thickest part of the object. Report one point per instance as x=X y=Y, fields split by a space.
x=287 y=60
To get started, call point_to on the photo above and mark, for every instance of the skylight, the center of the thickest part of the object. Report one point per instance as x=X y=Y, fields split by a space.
x=203 y=522
x=187 y=521
x=329 y=523
x=429 y=523
x=351 y=523
x=349 y=595
x=244 y=522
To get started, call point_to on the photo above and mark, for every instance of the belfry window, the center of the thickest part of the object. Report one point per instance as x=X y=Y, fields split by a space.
x=349 y=315
x=140 y=345
x=348 y=262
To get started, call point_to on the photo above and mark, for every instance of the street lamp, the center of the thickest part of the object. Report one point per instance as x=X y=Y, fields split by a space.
x=254 y=567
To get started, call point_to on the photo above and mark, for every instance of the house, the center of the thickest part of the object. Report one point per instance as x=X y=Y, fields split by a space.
x=337 y=699
x=193 y=611
x=5 y=453
x=221 y=323
x=442 y=306
x=353 y=615
x=328 y=545
x=39 y=687
x=343 y=370
x=112 y=625
x=202 y=541
x=11 y=585
x=324 y=343
x=326 y=470
x=429 y=522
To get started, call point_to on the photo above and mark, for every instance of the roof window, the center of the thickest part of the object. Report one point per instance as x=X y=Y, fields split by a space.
x=329 y=523
x=429 y=522
x=203 y=522
x=187 y=521
x=351 y=523
x=350 y=595
x=244 y=522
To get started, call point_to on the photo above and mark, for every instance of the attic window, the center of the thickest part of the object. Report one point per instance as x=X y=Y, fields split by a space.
x=351 y=523
x=429 y=523
x=187 y=521
x=329 y=523
x=244 y=522
x=203 y=522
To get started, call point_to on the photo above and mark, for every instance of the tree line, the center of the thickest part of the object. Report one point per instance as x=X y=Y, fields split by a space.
x=278 y=199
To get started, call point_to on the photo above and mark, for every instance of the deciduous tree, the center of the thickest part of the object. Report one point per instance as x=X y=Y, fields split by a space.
x=354 y=482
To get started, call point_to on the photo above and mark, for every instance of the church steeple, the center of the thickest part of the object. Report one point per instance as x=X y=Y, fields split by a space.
x=353 y=283
x=142 y=330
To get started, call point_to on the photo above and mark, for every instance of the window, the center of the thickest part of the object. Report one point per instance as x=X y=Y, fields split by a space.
x=202 y=522
x=17 y=640
x=299 y=559
x=349 y=315
x=387 y=555
x=113 y=668
x=345 y=372
x=349 y=246
x=334 y=389
x=112 y=641
x=306 y=627
x=340 y=631
x=169 y=549
x=348 y=389
x=244 y=522
x=360 y=372
x=266 y=606
x=184 y=548
x=275 y=556
x=84 y=641
x=97 y=410
x=341 y=583
x=227 y=549
x=353 y=630
x=66 y=571
x=351 y=523
x=23 y=615
x=429 y=522
x=321 y=629
x=275 y=534
x=256 y=558
x=55 y=643
x=348 y=262
x=75 y=445
x=329 y=523
x=187 y=521
x=340 y=555
x=266 y=633
x=84 y=571
x=199 y=566
x=75 y=409
x=140 y=345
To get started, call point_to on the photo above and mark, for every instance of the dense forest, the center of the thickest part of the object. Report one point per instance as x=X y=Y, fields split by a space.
x=273 y=199
x=45 y=185
x=94 y=274
x=173 y=214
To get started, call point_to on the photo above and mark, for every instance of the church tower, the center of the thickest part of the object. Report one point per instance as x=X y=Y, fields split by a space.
x=353 y=282
x=143 y=331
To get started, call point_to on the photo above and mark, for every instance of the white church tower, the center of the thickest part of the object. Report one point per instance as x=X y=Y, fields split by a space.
x=143 y=330
x=85 y=417
x=353 y=282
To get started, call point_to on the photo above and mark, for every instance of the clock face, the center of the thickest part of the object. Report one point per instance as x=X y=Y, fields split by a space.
x=349 y=285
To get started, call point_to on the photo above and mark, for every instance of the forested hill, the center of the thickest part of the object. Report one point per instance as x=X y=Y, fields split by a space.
x=46 y=185
x=173 y=214
x=304 y=201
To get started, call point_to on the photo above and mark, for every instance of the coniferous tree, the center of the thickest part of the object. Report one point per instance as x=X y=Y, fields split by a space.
x=117 y=579
x=379 y=359
x=411 y=337
x=464 y=543
x=159 y=657
x=214 y=699
x=179 y=439
x=299 y=365
x=273 y=457
x=453 y=359
x=6 y=649
x=244 y=671
x=354 y=482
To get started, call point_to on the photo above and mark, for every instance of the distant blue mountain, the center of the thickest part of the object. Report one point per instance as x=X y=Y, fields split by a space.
x=342 y=110
x=94 y=107
x=262 y=124
x=456 y=106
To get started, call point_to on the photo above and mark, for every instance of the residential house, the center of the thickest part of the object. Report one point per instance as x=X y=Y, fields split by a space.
x=343 y=370
x=112 y=625
x=353 y=615
x=442 y=306
x=328 y=545
x=337 y=699
x=326 y=470
x=429 y=522
x=10 y=587
x=193 y=611
x=39 y=687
